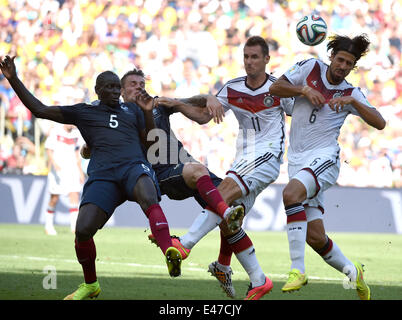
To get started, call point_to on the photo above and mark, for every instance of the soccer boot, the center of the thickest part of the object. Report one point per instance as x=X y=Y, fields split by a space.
x=85 y=291
x=363 y=290
x=234 y=217
x=258 y=292
x=295 y=281
x=173 y=261
x=224 y=278
x=176 y=243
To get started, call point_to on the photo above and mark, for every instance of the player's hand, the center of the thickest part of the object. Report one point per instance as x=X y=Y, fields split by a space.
x=145 y=101
x=215 y=109
x=314 y=96
x=337 y=104
x=7 y=66
x=85 y=151
x=168 y=102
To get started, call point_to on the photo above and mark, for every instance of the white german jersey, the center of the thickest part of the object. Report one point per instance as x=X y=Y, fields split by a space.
x=260 y=115
x=313 y=128
x=64 y=145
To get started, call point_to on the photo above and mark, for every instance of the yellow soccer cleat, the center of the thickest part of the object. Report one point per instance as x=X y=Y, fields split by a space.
x=363 y=290
x=173 y=261
x=295 y=281
x=234 y=217
x=85 y=291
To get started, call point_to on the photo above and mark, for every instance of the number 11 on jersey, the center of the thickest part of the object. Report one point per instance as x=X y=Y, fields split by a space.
x=256 y=123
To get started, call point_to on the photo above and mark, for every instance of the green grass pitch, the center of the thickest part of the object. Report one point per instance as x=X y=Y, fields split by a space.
x=129 y=267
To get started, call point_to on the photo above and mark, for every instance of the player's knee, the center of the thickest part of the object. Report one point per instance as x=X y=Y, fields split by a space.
x=291 y=195
x=192 y=172
x=316 y=240
x=90 y=219
x=84 y=231
x=288 y=197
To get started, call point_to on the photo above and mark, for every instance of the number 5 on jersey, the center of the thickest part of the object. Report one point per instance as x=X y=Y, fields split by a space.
x=113 y=123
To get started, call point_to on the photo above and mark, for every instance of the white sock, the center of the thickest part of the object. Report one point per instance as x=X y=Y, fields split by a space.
x=49 y=217
x=297 y=231
x=73 y=218
x=248 y=260
x=204 y=223
x=337 y=260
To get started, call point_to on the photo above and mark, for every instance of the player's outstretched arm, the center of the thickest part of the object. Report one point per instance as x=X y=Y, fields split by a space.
x=37 y=108
x=193 y=108
x=284 y=89
x=370 y=115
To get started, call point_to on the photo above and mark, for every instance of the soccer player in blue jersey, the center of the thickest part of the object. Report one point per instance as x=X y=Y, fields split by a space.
x=179 y=175
x=118 y=169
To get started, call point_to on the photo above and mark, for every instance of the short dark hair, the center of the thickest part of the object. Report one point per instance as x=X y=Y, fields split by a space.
x=135 y=72
x=258 y=41
x=100 y=79
x=357 y=46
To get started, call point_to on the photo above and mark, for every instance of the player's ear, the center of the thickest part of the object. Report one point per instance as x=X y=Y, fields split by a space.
x=267 y=58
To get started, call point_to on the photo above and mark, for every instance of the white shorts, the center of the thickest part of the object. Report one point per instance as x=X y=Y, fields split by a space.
x=254 y=174
x=318 y=173
x=63 y=182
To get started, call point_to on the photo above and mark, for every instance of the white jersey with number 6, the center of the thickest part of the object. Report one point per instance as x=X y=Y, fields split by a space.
x=314 y=128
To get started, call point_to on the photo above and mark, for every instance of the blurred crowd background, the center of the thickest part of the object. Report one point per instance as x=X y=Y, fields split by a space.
x=191 y=47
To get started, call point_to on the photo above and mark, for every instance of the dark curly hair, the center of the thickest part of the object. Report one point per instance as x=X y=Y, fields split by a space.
x=358 y=46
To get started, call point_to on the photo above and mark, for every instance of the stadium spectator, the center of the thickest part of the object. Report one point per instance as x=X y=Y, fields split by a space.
x=46 y=27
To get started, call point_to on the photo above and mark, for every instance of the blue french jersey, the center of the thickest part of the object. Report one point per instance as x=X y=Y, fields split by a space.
x=175 y=154
x=111 y=133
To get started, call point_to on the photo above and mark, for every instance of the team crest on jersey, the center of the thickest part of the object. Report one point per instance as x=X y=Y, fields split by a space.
x=268 y=101
x=156 y=113
x=338 y=94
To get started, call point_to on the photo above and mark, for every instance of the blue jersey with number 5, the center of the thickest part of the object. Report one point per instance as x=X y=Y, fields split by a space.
x=113 y=134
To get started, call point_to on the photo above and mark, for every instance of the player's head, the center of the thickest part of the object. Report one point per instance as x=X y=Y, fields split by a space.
x=255 y=56
x=107 y=88
x=345 y=52
x=131 y=84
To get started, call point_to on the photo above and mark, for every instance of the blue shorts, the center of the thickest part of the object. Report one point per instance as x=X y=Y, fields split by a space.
x=172 y=184
x=109 y=188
